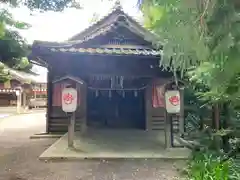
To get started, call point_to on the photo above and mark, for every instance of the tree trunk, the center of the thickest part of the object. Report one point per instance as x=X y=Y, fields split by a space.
x=216 y=124
x=225 y=125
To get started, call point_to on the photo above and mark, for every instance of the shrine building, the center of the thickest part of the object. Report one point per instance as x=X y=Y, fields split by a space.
x=117 y=67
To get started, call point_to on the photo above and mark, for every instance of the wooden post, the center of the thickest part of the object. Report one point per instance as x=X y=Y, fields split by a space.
x=167 y=130
x=24 y=100
x=83 y=97
x=148 y=107
x=217 y=116
x=49 y=98
x=216 y=124
x=19 y=101
x=225 y=125
x=181 y=118
x=169 y=137
x=71 y=130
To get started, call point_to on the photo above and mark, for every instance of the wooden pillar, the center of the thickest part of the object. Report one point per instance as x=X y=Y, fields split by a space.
x=216 y=116
x=49 y=98
x=181 y=117
x=71 y=131
x=84 y=108
x=226 y=124
x=19 y=100
x=216 y=124
x=148 y=107
x=24 y=99
x=168 y=131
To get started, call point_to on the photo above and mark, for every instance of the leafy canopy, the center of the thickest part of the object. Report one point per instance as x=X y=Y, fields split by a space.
x=13 y=47
x=200 y=37
x=45 y=5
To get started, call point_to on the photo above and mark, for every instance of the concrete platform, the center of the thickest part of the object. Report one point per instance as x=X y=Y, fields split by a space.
x=113 y=144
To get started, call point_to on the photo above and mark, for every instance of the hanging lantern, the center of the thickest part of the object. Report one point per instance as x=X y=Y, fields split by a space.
x=135 y=93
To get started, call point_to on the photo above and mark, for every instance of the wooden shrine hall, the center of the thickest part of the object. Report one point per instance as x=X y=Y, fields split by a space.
x=17 y=89
x=118 y=64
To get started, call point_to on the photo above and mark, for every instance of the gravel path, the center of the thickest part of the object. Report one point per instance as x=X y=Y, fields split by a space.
x=19 y=158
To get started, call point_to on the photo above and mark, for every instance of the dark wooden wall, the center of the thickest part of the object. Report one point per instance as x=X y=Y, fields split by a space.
x=155 y=117
x=81 y=67
x=57 y=119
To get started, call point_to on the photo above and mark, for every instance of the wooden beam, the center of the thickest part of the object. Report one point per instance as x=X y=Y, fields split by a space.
x=181 y=118
x=168 y=130
x=148 y=106
x=71 y=130
x=81 y=72
x=83 y=92
x=106 y=65
x=49 y=97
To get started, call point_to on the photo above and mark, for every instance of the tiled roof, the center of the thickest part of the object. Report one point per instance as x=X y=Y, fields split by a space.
x=110 y=23
x=100 y=32
x=107 y=22
x=19 y=75
x=117 y=51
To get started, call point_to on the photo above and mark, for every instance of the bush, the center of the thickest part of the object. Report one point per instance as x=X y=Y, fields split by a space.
x=210 y=166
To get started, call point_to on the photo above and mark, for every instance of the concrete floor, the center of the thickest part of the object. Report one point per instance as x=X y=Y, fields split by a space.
x=102 y=143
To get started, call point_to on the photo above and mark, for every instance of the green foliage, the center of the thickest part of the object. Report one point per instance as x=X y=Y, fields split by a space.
x=45 y=5
x=209 y=166
x=175 y=23
x=207 y=162
x=4 y=76
x=201 y=40
x=13 y=47
x=23 y=65
x=200 y=37
x=223 y=66
x=6 y=18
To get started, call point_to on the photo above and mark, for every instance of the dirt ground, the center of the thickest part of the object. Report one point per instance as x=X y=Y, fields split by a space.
x=19 y=158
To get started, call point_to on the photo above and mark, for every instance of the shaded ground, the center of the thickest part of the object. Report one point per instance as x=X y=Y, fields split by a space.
x=19 y=158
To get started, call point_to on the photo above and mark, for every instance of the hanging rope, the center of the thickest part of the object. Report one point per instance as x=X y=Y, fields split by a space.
x=126 y=89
